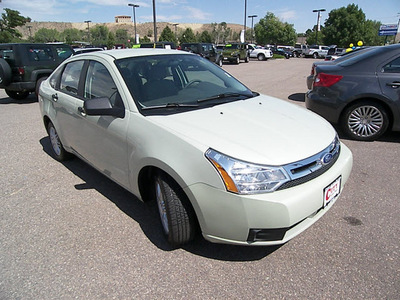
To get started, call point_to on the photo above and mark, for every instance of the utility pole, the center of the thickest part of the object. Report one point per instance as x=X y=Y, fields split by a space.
x=318 y=22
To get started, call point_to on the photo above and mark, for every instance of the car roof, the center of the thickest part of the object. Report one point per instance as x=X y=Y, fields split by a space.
x=125 y=53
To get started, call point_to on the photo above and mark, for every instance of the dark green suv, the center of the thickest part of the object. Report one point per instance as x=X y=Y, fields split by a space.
x=235 y=52
x=24 y=66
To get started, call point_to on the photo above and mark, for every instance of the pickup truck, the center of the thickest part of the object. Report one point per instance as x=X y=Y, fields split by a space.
x=316 y=51
x=259 y=52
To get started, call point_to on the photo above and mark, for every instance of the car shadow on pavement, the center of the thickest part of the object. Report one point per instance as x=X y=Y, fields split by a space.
x=7 y=100
x=299 y=97
x=146 y=215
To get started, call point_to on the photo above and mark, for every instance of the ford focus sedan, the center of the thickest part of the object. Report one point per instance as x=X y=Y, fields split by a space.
x=218 y=159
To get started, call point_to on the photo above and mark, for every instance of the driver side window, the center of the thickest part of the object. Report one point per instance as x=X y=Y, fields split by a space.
x=99 y=84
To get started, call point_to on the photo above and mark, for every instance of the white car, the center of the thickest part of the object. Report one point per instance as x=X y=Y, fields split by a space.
x=259 y=52
x=170 y=126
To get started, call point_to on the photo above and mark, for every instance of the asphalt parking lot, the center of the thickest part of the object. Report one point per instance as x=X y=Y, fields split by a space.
x=67 y=232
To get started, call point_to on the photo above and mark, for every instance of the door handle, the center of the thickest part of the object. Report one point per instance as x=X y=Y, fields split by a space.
x=54 y=97
x=82 y=111
x=394 y=84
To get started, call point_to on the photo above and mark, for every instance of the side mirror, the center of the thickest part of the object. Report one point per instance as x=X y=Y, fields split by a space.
x=102 y=107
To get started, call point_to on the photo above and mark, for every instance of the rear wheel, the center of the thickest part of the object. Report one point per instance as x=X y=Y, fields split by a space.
x=5 y=73
x=17 y=95
x=315 y=55
x=176 y=214
x=365 y=121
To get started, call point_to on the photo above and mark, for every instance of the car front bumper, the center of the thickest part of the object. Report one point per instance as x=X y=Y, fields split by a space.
x=270 y=218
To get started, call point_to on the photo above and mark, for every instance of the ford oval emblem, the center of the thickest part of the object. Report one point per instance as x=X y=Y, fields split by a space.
x=326 y=159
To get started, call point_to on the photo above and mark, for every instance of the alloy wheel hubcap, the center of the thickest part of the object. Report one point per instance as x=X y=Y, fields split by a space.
x=365 y=121
x=55 y=142
x=161 y=208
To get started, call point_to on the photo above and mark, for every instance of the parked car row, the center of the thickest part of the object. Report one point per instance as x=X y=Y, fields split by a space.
x=358 y=91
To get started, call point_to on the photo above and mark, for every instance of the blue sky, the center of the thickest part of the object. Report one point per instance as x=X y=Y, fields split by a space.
x=296 y=12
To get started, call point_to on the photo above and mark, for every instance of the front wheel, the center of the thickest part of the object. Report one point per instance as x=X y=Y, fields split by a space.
x=365 y=121
x=261 y=57
x=176 y=213
x=237 y=60
x=315 y=55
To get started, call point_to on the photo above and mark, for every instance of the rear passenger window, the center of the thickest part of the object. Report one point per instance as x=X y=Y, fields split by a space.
x=392 y=67
x=40 y=53
x=70 y=77
x=8 y=55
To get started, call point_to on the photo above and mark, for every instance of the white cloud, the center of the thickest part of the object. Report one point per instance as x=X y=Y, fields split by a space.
x=197 y=14
x=287 y=15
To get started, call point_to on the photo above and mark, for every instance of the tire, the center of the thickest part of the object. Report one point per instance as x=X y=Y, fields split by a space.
x=261 y=57
x=365 y=121
x=315 y=55
x=5 y=73
x=17 y=95
x=59 y=153
x=220 y=62
x=237 y=61
x=246 y=60
x=38 y=83
x=287 y=56
x=295 y=54
x=176 y=214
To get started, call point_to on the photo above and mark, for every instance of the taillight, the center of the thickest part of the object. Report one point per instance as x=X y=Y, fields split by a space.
x=21 y=71
x=326 y=80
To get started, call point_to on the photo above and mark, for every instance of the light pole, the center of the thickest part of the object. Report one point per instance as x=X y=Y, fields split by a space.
x=318 y=22
x=134 y=19
x=154 y=21
x=176 y=25
x=252 y=26
x=245 y=13
x=88 y=29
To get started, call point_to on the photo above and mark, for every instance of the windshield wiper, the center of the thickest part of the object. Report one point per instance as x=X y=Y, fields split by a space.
x=224 y=95
x=170 y=105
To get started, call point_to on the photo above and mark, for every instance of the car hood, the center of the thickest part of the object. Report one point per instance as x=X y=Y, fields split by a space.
x=262 y=130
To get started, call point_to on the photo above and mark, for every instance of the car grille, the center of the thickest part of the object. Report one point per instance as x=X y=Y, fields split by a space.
x=312 y=167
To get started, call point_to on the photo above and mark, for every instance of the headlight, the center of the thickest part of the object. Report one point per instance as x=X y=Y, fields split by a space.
x=246 y=178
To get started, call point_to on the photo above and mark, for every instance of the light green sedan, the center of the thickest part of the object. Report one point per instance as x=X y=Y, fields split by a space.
x=220 y=160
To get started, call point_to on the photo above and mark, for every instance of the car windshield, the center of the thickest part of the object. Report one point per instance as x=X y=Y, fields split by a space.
x=231 y=46
x=177 y=82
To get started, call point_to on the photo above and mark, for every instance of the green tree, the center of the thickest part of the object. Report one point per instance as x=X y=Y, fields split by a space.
x=220 y=33
x=187 y=36
x=70 y=35
x=347 y=25
x=145 y=39
x=8 y=22
x=99 y=35
x=110 y=40
x=270 y=30
x=205 y=37
x=311 y=36
x=121 y=36
x=167 y=35
x=44 y=35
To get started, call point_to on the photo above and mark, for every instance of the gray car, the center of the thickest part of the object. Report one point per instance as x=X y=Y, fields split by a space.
x=361 y=93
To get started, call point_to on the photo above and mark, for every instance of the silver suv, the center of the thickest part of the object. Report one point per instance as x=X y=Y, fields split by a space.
x=316 y=51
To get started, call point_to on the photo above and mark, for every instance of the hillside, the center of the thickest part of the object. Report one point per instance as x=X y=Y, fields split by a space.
x=142 y=28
